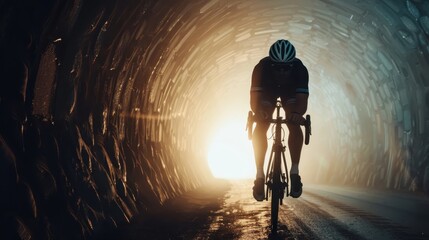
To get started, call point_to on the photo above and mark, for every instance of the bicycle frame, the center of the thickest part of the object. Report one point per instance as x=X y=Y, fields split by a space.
x=277 y=177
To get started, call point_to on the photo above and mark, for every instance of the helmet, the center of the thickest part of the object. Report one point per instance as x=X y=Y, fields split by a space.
x=282 y=51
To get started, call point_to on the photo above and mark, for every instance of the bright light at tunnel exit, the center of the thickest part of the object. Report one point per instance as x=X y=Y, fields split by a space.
x=230 y=154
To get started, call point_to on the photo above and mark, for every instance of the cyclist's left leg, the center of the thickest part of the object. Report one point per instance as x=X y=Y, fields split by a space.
x=260 y=145
x=264 y=108
x=259 y=140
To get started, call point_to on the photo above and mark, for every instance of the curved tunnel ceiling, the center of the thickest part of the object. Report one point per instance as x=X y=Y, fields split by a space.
x=189 y=65
x=145 y=84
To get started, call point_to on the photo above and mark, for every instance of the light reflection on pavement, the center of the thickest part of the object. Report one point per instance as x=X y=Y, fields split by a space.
x=228 y=211
x=246 y=218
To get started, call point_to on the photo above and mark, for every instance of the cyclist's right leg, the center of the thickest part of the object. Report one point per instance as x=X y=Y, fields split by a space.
x=295 y=141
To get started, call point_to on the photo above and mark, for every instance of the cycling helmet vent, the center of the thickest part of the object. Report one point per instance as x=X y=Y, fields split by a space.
x=282 y=51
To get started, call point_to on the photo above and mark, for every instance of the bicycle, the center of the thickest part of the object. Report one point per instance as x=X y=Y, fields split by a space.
x=277 y=177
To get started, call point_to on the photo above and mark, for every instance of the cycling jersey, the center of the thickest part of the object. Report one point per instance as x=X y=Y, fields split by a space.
x=280 y=79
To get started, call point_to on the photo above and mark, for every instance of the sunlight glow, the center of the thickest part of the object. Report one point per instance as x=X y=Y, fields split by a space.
x=230 y=154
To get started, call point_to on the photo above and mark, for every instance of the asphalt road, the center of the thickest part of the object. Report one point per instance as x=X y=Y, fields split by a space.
x=226 y=210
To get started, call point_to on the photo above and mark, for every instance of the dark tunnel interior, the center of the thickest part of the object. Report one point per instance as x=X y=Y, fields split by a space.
x=107 y=107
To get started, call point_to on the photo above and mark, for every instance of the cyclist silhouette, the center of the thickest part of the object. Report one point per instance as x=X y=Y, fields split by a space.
x=282 y=75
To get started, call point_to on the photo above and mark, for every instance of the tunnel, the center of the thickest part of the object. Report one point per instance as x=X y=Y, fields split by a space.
x=108 y=108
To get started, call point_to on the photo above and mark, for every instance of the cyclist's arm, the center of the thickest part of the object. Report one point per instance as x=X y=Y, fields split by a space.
x=254 y=100
x=300 y=105
x=256 y=88
x=301 y=92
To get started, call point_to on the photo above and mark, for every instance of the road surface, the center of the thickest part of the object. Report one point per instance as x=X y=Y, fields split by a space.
x=226 y=210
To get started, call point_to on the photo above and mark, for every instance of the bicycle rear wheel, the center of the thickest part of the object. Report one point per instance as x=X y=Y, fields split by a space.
x=275 y=202
x=276 y=192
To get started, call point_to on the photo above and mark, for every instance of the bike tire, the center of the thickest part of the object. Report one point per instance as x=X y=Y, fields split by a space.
x=275 y=202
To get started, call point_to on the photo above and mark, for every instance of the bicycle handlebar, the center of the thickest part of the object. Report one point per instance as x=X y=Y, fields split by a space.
x=251 y=119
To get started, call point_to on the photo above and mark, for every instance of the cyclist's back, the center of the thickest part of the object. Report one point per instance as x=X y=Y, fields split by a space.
x=280 y=79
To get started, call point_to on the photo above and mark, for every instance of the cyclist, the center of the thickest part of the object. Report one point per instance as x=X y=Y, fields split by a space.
x=282 y=75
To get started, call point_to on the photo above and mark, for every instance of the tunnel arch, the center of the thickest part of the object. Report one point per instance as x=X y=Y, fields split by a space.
x=137 y=87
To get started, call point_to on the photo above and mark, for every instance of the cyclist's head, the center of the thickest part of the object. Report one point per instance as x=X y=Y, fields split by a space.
x=282 y=51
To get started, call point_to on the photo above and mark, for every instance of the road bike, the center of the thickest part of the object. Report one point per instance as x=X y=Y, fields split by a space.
x=277 y=177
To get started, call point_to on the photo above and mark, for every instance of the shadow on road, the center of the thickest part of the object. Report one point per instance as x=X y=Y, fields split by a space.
x=180 y=218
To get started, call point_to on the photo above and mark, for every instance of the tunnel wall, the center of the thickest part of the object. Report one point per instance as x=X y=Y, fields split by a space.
x=381 y=120
x=100 y=100
x=84 y=145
